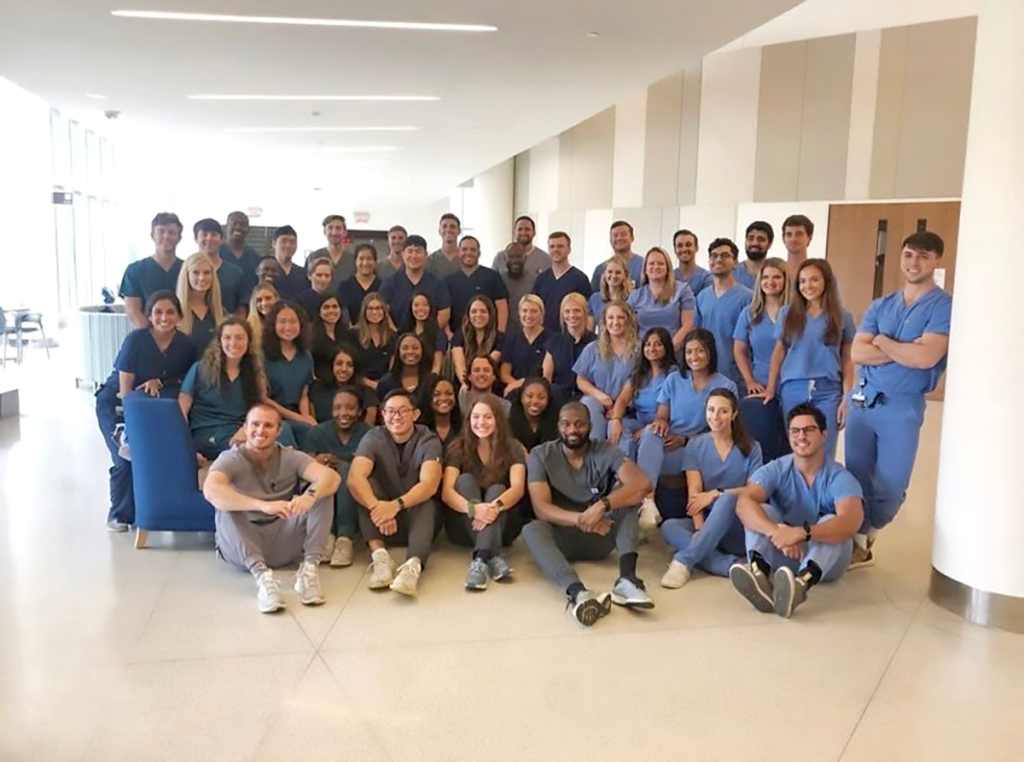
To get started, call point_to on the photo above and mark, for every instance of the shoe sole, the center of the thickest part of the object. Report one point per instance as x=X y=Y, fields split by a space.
x=743 y=581
x=620 y=600
x=671 y=584
x=590 y=611
x=784 y=592
x=476 y=588
x=380 y=585
x=402 y=590
x=340 y=564
x=863 y=564
x=271 y=609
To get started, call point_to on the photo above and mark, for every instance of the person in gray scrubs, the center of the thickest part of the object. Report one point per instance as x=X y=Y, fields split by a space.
x=394 y=477
x=262 y=519
x=586 y=496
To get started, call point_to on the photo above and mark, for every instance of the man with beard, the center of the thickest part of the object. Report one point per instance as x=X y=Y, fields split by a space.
x=537 y=260
x=585 y=495
x=518 y=281
x=472 y=279
x=232 y=280
x=758 y=241
x=901 y=351
x=800 y=513
x=342 y=260
x=720 y=304
x=235 y=251
x=620 y=236
x=392 y=263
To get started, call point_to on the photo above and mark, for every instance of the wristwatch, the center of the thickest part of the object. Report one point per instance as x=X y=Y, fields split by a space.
x=401 y=504
x=311 y=491
x=807 y=532
x=606 y=503
x=499 y=504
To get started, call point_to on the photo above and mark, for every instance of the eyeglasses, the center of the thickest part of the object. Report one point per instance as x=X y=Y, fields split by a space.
x=797 y=431
x=397 y=412
x=721 y=255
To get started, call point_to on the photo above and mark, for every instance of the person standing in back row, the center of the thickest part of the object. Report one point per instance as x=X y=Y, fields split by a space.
x=797 y=232
x=537 y=260
x=759 y=238
x=399 y=289
x=685 y=243
x=445 y=260
x=157 y=272
x=620 y=235
x=719 y=307
x=291 y=278
x=518 y=282
x=342 y=259
x=235 y=251
x=562 y=279
x=473 y=279
x=392 y=263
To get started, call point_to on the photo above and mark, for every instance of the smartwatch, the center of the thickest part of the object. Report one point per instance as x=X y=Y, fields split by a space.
x=499 y=504
x=807 y=532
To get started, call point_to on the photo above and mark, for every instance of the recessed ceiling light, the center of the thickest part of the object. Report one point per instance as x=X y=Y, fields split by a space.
x=214 y=97
x=360 y=149
x=321 y=129
x=173 y=16
x=593 y=34
x=97 y=97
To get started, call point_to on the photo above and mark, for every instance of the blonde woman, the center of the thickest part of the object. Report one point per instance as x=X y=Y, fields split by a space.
x=662 y=301
x=565 y=347
x=606 y=365
x=264 y=296
x=523 y=355
x=615 y=285
x=376 y=336
x=199 y=294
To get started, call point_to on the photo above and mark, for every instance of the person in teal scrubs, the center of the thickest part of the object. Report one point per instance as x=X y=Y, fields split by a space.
x=289 y=367
x=199 y=294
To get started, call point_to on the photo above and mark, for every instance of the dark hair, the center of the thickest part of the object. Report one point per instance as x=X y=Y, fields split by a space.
x=166 y=218
x=315 y=262
x=366 y=247
x=807 y=408
x=504 y=446
x=764 y=227
x=159 y=296
x=642 y=370
x=740 y=436
x=796 y=318
x=621 y=224
x=426 y=363
x=705 y=337
x=348 y=389
x=357 y=371
x=561 y=234
x=396 y=228
x=490 y=343
x=211 y=364
x=271 y=343
x=525 y=217
x=724 y=242
x=547 y=424
x=925 y=241
x=207 y=225
x=578 y=406
x=333 y=218
x=285 y=230
x=428 y=415
x=264 y=259
x=684 y=231
x=416 y=241
x=798 y=221
x=450 y=216
x=469 y=238
x=400 y=393
x=321 y=344
x=430 y=327
x=469 y=366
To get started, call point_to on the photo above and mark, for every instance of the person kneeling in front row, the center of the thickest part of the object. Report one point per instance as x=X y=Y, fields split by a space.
x=800 y=512
x=586 y=496
x=261 y=520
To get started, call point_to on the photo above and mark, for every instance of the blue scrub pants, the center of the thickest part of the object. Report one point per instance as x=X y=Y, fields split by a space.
x=766 y=426
x=833 y=560
x=824 y=395
x=122 y=496
x=630 y=426
x=881 y=445
x=598 y=423
x=715 y=546
x=654 y=460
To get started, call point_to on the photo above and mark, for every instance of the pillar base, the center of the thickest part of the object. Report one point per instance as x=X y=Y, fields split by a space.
x=978 y=606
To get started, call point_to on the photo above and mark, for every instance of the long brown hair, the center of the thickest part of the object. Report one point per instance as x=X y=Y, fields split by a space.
x=503 y=445
x=212 y=363
x=740 y=436
x=757 y=303
x=363 y=327
x=831 y=306
x=490 y=342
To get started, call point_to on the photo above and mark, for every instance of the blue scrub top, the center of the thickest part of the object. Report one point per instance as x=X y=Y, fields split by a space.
x=140 y=355
x=789 y=494
x=650 y=314
x=635 y=267
x=234 y=291
x=145 y=276
x=294 y=283
x=809 y=356
x=901 y=322
x=607 y=375
x=743 y=277
x=686 y=405
x=702 y=456
x=288 y=378
x=719 y=314
x=397 y=291
x=527 y=359
x=597 y=304
x=552 y=290
x=214 y=405
x=463 y=288
x=565 y=351
x=760 y=337
x=698 y=281
x=645 y=399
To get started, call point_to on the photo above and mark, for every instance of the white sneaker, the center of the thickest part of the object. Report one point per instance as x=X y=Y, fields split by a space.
x=328 y=549
x=382 y=569
x=408 y=577
x=117 y=527
x=677 y=575
x=341 y=555
x=650 y=516
x=268 y=593
x=307 y=584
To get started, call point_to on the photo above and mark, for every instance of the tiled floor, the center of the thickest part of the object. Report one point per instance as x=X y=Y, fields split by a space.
x=108 y=653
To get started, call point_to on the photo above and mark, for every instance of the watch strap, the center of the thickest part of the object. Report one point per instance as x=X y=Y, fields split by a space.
x=807 y=532
x=401 y=504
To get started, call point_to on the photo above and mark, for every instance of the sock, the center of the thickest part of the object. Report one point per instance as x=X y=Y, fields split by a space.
x=258 y=568
x=483 y=555
x=573 y=590
x=757 y=561
x=811 y=574
x=627 y=565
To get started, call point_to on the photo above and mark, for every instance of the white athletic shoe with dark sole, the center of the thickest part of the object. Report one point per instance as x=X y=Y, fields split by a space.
x=589 y=607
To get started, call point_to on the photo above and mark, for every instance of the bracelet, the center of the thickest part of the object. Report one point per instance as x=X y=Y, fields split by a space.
x=471 y=507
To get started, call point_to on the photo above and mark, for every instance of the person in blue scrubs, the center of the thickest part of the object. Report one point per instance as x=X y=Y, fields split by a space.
x=289 y=367
x=661 y=301
x=685 y=244
x=753 y=344
x=681 y=404
x=376 y=337
x=423 y=318
x=234 y=286
x=564 y=348
x=560 y=279
x=158 y=272
x=153 y=361
x=759 y=238
x=345 y=371
x=901 y=350
x=291 y=278
x=637 y=403
x=473 y=279
x=615 y=285
x=620 y=237
x=364 y=282
x=720 y=305
x=717 y=464
x=811 y=361
x=606 y=365
x=523 y=354
x=476 y=335
x=800 y=513
x=220 y=388
x=199 y=294
x=399 y=289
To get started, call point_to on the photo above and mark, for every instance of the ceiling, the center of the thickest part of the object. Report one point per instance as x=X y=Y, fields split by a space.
x=500 y=92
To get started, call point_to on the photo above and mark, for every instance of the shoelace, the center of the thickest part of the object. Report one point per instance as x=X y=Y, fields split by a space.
x=270 y=584
x=309 y=576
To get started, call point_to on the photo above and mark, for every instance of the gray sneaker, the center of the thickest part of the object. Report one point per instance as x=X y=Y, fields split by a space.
x=476 y=579
x=790 y=591
x=753 y=585
x=382 y=570
x=307 y=584
x=631 y=593
x=117 y=527
x=268 y=593
x=499 y=569
x=588 y=607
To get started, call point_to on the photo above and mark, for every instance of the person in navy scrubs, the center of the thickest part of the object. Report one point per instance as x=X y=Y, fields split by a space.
x=291 y=279
x=565 y=347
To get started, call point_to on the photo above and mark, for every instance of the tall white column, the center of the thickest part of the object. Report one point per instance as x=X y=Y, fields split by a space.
x=979 y=518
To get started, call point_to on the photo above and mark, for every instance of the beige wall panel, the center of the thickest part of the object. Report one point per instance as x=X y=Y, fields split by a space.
x=825 y=134
x=936 y=106
x=663 y=140
x=862 y=114
x=544 y=171
x=593 y=152
x=779 y=122
x=628 y=152
x=521 y=200
x=892 y=65
x=689 y=135
x=565 y=170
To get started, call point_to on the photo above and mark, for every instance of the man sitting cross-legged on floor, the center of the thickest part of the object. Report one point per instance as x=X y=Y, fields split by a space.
x=800 y=512
x=262 y=521
x=586 y=496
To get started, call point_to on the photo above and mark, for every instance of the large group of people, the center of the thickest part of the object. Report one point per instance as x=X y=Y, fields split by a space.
x=392 y=398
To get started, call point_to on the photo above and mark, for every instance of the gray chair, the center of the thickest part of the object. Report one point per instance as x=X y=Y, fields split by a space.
x=30 y=322
x=6 y=331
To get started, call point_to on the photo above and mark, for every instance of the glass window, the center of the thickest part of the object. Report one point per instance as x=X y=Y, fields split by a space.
x=60 y=139
x=93 y=166
x=79 y=171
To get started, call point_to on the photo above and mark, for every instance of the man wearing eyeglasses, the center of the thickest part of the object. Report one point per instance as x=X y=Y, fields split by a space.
x=719 y=307
x=800 y=512
x=394 y=476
